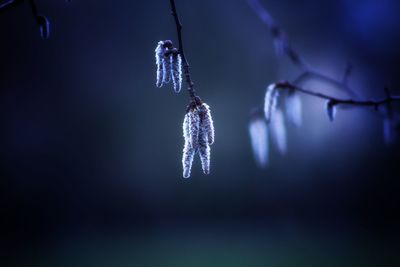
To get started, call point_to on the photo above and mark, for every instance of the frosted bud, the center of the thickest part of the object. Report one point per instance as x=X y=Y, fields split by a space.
x=330 y=107
x=44 y=26
x=293 y=108
x=258 y=131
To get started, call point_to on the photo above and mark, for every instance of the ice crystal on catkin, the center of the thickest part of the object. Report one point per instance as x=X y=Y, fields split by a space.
x=198 y=131
x=167 y=68
x=270 y=101
x=258 y=131
x=194 y=127
x=293 y=108
x=207 y=122
x=176 y=70
x=187 y=159
x=190 y=134
x=160 y=63
x=204 y=153
x=206 y=137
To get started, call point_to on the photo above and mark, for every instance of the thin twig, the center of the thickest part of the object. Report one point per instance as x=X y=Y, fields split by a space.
x=186 y=67
x=39 y=19
x=373 y=103
x=34 y=8
x=10 y=4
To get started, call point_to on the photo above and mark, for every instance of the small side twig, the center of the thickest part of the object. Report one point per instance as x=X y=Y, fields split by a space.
x=9 y=4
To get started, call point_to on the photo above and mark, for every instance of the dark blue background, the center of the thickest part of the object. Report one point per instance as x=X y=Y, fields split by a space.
x=90 y=149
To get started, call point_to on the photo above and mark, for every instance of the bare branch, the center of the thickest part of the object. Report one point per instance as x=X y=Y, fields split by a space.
x=371 y=103
x=9 y=4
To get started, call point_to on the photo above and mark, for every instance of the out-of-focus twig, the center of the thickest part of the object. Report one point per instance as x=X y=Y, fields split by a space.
x=283 y=46
x=337 y=101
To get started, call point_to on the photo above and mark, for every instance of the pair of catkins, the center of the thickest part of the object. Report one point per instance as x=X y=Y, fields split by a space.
x=198 y=127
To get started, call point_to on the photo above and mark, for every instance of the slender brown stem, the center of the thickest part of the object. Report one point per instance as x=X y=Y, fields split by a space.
x=186 y=67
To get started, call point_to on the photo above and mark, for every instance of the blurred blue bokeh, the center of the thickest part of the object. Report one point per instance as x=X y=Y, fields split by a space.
x=91 y=149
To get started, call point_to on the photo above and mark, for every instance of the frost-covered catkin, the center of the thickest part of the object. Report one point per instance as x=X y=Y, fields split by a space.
x=207 y=122
x=194 y=127
x=198 y=131
x=176 y=70
x=293 y=109
x=258 y=131
x=169 y=65
x=206 y=137
x=278 y=131
x=270 y=101
x=160 y=63
x=166 y=66
x=191 y=125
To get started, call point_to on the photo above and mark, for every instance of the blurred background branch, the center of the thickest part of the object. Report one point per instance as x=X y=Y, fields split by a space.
x=284 y=47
